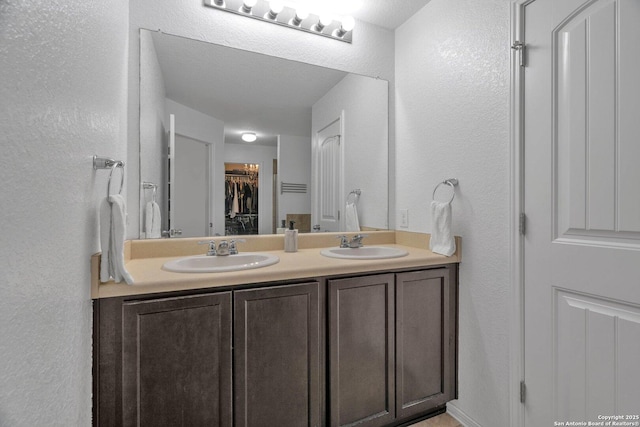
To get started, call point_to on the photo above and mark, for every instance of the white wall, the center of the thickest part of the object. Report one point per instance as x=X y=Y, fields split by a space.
x=372 y=51
x=452 y=110
x=196 y=125
x=63 y=88
x=366 y=134
x=153 y=147
x=263 y=156
x=294 y=166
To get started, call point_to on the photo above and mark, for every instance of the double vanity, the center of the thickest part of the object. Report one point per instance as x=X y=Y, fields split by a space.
x=323 y=336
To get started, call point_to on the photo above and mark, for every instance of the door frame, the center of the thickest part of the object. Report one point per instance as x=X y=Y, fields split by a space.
x=516 y=238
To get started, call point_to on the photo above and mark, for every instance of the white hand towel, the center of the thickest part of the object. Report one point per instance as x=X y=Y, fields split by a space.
x=152 y=220
x=112 y=235
x=442 y=240
x=351 y=217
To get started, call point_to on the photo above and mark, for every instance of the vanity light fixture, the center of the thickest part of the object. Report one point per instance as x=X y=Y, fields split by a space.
x=308 y=16
x=249 y=136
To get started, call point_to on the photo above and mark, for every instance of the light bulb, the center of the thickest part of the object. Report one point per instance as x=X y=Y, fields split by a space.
x=326 y=19
x=323 y=22
x=247 y=5
x=301 y=15
x=275 y=7
x=348 y=23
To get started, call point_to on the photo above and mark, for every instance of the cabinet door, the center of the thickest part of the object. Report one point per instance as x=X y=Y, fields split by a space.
x=176 y=356
x=361 y=351
x=425 y=341
x=277 y=355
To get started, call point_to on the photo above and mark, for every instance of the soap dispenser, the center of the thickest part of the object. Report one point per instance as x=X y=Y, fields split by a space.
x=282 y=228
x=291 y=239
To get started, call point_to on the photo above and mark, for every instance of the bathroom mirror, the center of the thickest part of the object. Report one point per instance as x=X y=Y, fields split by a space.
x=321 y=134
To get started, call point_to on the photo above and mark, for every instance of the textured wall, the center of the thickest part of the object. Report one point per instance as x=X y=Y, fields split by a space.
x=63 y=91
x=452 y=109
x=370 y=54
x=294 y=164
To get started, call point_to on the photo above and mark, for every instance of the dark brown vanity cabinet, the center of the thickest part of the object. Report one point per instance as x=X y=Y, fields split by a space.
x=372 y=350
x=392 y=346
x=278 y=355
x=361 y=350
x=425 y=326
x=176 y=361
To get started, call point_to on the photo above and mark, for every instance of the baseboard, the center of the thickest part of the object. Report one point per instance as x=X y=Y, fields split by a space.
x=461 y=416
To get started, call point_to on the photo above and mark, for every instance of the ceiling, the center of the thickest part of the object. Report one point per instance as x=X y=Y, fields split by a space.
x=247 y=91
x=388 y=14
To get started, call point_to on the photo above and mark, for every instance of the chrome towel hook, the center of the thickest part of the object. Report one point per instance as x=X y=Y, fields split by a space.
x=107 y=163
x=451 y=182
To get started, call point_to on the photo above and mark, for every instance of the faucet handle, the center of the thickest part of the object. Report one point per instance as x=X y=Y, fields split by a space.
x=212 y=246
x=344 y=242
x=233 y=250
x=356 y=241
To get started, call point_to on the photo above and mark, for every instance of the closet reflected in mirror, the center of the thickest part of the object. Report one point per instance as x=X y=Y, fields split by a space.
x=241 y=193
x=319 y=134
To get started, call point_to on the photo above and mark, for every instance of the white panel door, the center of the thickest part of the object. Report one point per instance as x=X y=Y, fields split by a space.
x=582 y=200
x=328 y=161
x=191 y=189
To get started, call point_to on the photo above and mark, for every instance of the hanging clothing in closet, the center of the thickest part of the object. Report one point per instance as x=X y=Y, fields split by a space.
x=241 y=204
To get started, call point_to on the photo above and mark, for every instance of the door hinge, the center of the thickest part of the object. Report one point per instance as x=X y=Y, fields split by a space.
x=523 y=392
x=522 y=226
x=519 y=47
x=338 y=215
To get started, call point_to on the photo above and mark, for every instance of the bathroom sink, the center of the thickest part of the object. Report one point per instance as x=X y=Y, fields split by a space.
x=219 y=264
x=365 y=252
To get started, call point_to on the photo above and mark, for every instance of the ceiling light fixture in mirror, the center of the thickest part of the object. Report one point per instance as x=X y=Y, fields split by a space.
x=325 y=18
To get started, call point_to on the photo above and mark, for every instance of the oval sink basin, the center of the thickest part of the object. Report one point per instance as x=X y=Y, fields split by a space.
x=219 y=264
x=365 y=252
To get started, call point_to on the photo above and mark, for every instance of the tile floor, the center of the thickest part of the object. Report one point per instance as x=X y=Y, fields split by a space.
x=442 y=420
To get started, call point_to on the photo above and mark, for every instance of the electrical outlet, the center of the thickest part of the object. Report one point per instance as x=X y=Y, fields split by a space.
x=404 y=218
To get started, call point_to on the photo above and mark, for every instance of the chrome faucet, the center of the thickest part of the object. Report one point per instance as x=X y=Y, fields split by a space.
x=356 y=241
x=223 y=248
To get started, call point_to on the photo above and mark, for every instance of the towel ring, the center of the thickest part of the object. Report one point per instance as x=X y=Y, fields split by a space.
x=115 y=166
x=151 y=186
x=356 y=195
x=451 y=182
